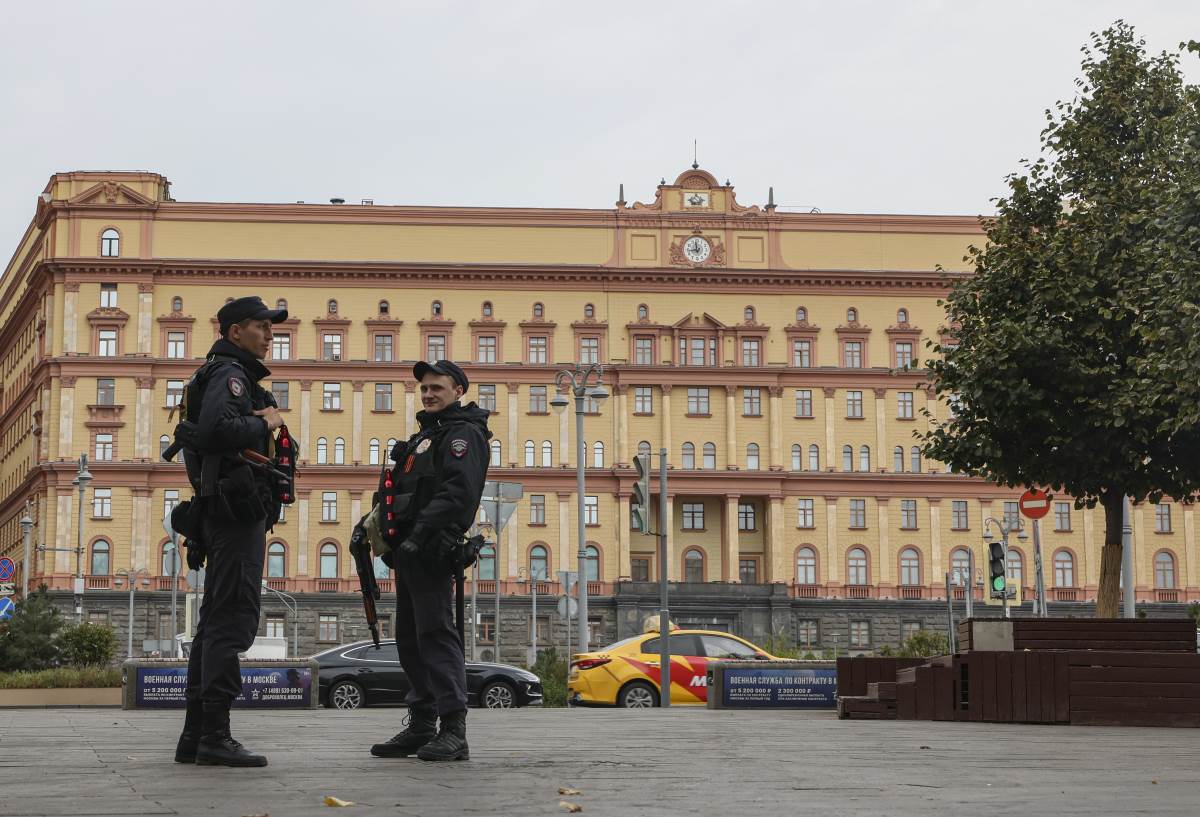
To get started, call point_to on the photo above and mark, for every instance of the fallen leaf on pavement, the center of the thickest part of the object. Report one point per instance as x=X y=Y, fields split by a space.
x=565 y=790
x=337 y=801
x=256 y=815
x=569 y=807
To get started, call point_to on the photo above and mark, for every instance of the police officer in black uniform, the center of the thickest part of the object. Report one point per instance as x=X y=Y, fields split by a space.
x=227 y=522
x=432 y=492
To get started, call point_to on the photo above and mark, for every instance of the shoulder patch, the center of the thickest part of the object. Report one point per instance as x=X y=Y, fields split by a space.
x=235 y=387
x=458 y=447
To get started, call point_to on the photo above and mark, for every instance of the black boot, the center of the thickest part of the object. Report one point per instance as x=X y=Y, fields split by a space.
x=218 y=748
x=451 y=741
x=189 y=739
x=422 y=728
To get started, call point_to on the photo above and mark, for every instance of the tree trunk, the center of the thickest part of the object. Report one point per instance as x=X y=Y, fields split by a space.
x=1108 y=599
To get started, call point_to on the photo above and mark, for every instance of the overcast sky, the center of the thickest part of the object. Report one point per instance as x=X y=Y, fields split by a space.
x=869 y=107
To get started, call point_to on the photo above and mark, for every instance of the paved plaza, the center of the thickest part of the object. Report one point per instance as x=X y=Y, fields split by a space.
x=675 y=762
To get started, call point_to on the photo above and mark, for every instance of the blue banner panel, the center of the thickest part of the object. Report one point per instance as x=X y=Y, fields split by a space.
x=262 y=687
x=780 y=688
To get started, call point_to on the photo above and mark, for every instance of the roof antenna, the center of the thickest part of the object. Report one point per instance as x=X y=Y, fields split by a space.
x=770 y=199
x=621 y=196
x=695 y=153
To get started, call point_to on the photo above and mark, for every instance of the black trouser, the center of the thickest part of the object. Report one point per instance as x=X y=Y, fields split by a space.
x=229 y=611
x=431 y=650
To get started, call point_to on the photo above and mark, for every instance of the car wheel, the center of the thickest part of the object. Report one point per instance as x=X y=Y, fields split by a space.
x=346 y=695
x=498 y=695
x=638 y=695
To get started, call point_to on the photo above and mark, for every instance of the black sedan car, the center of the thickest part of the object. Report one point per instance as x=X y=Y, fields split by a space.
x=355 y=675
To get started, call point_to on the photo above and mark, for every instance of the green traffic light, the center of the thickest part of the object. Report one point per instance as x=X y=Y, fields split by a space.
x=999 y=584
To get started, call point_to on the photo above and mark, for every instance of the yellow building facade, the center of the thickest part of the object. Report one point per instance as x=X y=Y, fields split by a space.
x=769 y=353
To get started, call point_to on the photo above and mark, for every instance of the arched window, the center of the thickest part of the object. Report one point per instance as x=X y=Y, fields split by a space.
x=710 y=456
x=276 y=560
x=814 y=457
x=281 y=303
x=644 y=447
x=1015 y=566
x=910 y=567
x=748 y=314
x=373 y=452
x=592 y=563
x=164 y=442
x=806 y=566
x=689 y=456
x=643 y=312
x=1064 y=569
x=177 y=304
x=486 y=310
x=539 y=562
x=960 y=567
x=496 y=454
x=864 y=458
x=100 y=553
x=547 y=454
x=530 y=454
x=539 y=311
x=598 y=455
x=110 y=243
x=384 y=308
x=486 y=569
x=339 y=451
x=693 y=566
x=851 y=315
x=391 y=444
x=329 y=561
x=589 y=311
x=331 y=306
x=902 y=316
x=435 y=309
x=1164 y=571
x=322 y=450
x=898 y=459
x=856 y=567
x=914 y=458
x=801 y=315
x=752 y=457
x=797 y=457
x=847 y=458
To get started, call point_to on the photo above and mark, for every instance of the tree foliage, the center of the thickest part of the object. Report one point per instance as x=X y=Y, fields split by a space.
x=87 y=645
x=1049 y=375
x=28 y=638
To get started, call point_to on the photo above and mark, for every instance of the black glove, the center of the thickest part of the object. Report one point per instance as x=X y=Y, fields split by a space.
x=197 y=552
x=409 y=548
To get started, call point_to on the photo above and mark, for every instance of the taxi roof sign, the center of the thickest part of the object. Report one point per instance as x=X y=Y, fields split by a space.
x=650 y=625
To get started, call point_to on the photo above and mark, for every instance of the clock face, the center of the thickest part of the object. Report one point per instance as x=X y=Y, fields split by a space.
x=696 y=249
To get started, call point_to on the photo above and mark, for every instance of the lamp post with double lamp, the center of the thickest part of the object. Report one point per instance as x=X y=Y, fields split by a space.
x=82 y=477
x=1005 y=529
x=533 y=576
x=132 y=577
x=27 y=536
x=581 y=384
x=294 y=608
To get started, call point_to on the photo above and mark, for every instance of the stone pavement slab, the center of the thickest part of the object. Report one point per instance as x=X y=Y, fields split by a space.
x=62 y=762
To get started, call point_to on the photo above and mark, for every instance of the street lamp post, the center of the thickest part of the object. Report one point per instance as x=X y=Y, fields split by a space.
x=132 y=577
x=27 y=536
x=1005 y=529
x=293 y=607
x=533 y=578
x=577 y=382
x=82 y=478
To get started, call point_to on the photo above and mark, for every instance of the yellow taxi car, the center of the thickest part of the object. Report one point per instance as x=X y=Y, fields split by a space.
x=627 y=673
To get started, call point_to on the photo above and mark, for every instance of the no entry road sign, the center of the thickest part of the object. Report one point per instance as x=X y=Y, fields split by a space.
x=1034 y=503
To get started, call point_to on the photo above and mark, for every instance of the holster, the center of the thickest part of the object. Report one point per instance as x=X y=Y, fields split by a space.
x=237 y=496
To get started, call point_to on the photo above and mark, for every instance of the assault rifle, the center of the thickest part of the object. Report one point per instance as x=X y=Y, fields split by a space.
x=360 y=548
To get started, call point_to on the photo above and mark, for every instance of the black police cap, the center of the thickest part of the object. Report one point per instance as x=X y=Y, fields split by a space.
x=443 y=367
x=250 y=307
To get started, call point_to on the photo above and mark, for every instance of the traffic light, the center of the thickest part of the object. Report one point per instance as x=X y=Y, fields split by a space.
x=997 y=575
x=639 y=506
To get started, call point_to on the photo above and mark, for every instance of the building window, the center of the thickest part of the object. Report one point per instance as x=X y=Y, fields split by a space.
x=689 y=456
x=110 y=244
x=485 y=349
x=275 y=627
x=1062 y=516
x=170 y=500
x=590 y=405
x=539 y=311
x=898 y=459
x=643 y=312
x=329 y=506
x=107 y=343
x=591 y=510
x=104 y=447
x=643 y=351
x=748 y=314
x=1064 y=569
x=598 y=455
x=276 y=561
x=864 y=458
x=101 y=550
x=164 y=442
x=177 y=304
x=281 y=303
x=693 y=516
x=331 y=396
x=1164 y=571
x=908 y=514
x=814 y=457
x=807 y=633
x=1162 y=517
x=856 y=564
x=174 y=392
x=797 y=457
x=960 y=572
x=537 y=509
x=487 y=397
x=639 y=569
x=1012 y=515
x=279 y=390
x=748 y=571
x=860 y=635
x=281 y=346
x=852 y=354
x=383 y=348
x=910 y=567
x=495 y=454
x=331 y=346
x=373 y=452
x=176 y=341
x=904 y=355
x=802 y=354
x=383 y=396
x=693 y=566
x=339 y=451
x=804 y=513
x=752 y=402
x=958 y=514
x=537 y=400
x=854 y=407
x=804 y=403
x=1014 y=566
x=858 y=513
x=435 y=347
x=108 y=296
x=589 y=350
x=322 y=451
x=538 y=348
x=697 y=401
x=901 y=316
x=914 y=460
x=847 y=458
x=591 y=563
x=589 y=311
x=710 y=456
x=530 y=454
x=643 y=400
x=327 y=627
x=752 y=462
x=106 y=391
x=751 y=352
x=547 y=454
x=435 y=309
x=851 y=315
x=384 y=308
x=904 y=405
x=746 y=516
x=102 y=503
x=331 y=306
x=806 y=566
x=486 y=310
x=329 y=561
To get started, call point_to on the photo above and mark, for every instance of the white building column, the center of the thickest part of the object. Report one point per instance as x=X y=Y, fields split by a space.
x=410 y=409
x=565 y=526
x=140 y=534
x=301 y=543
x=515 y=449
x=731 y=441
x=70 y=317
x=143 y=419
x=831 y=458
x=306 y=445
x=63 y=445
x=883 y=458
x=935 y=537
x=356 y=435
x=145 y=318
x=775 y=421
x=833 y=557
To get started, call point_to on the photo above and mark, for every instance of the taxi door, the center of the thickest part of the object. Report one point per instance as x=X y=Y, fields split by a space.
x=689 y=667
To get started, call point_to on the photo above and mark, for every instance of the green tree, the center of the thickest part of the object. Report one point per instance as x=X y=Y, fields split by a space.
x=28 y=638
x=87 y=645
x=1047 y=374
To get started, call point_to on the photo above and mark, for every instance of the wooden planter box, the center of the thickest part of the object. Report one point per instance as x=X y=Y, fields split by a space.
x=82 y=696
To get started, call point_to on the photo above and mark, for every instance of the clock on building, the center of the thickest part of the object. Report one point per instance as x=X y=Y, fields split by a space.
x=697 y=249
